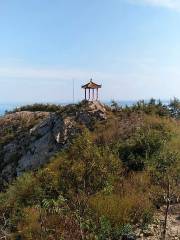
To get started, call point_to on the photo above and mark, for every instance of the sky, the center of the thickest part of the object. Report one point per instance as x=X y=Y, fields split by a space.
x=131 y=47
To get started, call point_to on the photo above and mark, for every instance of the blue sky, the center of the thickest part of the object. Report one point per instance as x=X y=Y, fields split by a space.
x=132 y=47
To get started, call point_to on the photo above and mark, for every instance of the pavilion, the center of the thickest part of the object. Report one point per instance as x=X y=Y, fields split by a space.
x=91 y=87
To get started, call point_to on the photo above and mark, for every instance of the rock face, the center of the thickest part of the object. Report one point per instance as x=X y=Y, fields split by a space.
x=45 y=139
x=30 y=139
x=94 y=110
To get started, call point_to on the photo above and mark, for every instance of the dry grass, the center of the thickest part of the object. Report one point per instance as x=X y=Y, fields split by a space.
x=128 y=204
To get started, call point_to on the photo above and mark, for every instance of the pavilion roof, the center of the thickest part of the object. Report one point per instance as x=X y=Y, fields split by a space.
x=91 y=85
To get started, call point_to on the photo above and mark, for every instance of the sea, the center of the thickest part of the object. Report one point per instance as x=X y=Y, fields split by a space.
x=10 y=106
x=7 y=107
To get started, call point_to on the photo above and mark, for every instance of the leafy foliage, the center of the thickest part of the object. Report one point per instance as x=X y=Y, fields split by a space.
x=146 y=142
x=87 y=168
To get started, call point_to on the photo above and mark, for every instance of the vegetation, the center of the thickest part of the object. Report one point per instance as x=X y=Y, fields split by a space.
x=50 y=108
x=38 y=107
x=105 y=183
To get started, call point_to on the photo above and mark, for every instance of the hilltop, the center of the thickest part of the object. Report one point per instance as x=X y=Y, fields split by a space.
x=89 y=171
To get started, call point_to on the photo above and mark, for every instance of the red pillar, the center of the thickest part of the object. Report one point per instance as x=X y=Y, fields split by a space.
x=85 y=94
x=89 y=93
x=97 y=94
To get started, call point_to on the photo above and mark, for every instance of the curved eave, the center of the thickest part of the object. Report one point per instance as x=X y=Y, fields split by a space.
x=91 y=86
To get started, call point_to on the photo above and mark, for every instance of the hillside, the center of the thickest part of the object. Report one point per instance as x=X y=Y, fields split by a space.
x=89 y=171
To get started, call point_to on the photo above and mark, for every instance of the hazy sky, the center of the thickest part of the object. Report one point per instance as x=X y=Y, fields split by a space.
x=132 y=47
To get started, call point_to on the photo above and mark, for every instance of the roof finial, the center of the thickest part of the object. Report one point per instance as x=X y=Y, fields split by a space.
x=91 y=80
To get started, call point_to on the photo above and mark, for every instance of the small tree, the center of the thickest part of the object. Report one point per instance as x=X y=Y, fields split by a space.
x=167 y=175
x=114 y=105
x=175 y=107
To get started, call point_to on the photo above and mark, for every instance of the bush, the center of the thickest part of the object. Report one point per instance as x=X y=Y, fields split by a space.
x=121 y=210
x=87 y=168
x=147 y=141
x=39 y=224
x=25 y=191
x=107 y=231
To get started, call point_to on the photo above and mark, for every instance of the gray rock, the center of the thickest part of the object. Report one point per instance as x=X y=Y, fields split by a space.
x=39 y=135
x=128 y=237
x=51 y=135
x=95 y=110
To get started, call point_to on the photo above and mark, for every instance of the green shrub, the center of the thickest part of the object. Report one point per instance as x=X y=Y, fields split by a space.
x=146 y=142
x=87 y=168
x=25 y=190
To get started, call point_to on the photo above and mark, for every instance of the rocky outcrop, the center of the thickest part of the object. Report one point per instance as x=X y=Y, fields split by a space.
x=30 y=139
x=36 y=145
x=94 y=110
x=45 y=139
